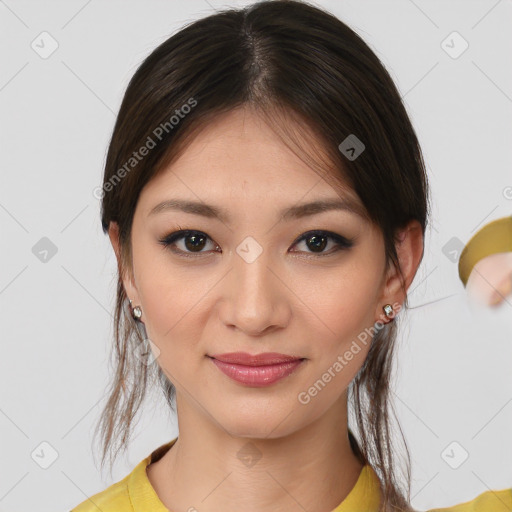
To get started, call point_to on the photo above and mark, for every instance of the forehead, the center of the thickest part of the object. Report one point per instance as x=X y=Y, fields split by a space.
x=239 y=157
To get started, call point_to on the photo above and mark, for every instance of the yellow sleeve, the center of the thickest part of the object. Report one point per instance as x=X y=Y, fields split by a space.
x=489 y=501
x=493 y=238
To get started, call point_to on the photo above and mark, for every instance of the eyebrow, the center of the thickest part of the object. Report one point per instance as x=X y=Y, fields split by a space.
x=291 y=213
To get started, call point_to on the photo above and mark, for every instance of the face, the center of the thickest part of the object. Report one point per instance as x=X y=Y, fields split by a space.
x=254 y=280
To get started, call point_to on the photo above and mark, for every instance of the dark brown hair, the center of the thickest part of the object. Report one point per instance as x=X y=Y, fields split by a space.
x=314 y=80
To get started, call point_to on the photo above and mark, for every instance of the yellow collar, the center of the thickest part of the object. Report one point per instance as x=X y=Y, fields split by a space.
x=365 y=494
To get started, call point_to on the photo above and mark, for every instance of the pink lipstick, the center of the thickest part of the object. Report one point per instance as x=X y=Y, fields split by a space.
x=256 y=370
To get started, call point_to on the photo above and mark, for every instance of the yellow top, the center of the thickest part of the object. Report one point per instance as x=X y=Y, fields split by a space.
x=134 y=493
x=493 y=238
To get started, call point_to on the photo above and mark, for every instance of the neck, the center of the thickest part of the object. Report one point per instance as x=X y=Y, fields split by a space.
x=312 y=468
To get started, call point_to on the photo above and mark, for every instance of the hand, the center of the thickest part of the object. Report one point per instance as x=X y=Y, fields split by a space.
x=490 y=281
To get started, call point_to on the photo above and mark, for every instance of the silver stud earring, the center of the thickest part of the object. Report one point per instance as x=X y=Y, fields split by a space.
x=388 y=309
x=136 y=311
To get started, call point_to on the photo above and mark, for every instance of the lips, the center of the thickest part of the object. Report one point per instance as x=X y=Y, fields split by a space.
x=258 y=370
x=263 y=359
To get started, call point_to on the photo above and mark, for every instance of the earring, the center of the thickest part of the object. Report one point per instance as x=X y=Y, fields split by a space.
x=136 y=311
x=388 y=310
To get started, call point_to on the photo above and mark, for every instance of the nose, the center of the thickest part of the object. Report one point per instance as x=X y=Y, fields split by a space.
x=256 y=301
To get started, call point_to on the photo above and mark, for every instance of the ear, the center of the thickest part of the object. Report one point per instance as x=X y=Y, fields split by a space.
x=126 y=274
x=410 y=253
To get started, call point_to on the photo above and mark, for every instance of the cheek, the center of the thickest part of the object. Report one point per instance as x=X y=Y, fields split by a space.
x=346 y=306
x=347 y=301
x=170 y=305
x=168 y=295
x=171 y=316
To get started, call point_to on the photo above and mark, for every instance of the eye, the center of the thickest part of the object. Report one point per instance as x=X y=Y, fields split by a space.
x=193 y=242
x=318 y=240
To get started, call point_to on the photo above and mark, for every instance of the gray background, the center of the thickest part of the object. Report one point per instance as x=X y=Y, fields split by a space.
x=57 y=113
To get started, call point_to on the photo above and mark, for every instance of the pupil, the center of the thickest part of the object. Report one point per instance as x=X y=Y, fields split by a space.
x=318 y=241
x=195 y=244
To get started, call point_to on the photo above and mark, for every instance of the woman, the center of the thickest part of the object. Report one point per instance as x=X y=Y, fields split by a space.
x=266 y=198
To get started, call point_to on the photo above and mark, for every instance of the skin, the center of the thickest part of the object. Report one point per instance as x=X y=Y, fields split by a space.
x=490 y=281
x=290 y=300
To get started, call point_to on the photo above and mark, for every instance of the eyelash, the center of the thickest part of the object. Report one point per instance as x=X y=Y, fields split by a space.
x=169 y=240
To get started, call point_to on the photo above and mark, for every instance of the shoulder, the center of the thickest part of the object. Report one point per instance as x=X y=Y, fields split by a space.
x=133 y=493
x=113 y=499
x=489 y=501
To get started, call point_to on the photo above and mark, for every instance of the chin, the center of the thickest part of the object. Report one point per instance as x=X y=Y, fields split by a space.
x=269 y=424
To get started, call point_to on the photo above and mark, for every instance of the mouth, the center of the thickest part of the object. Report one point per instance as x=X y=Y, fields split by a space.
x=263 y=359
x=257 y=370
